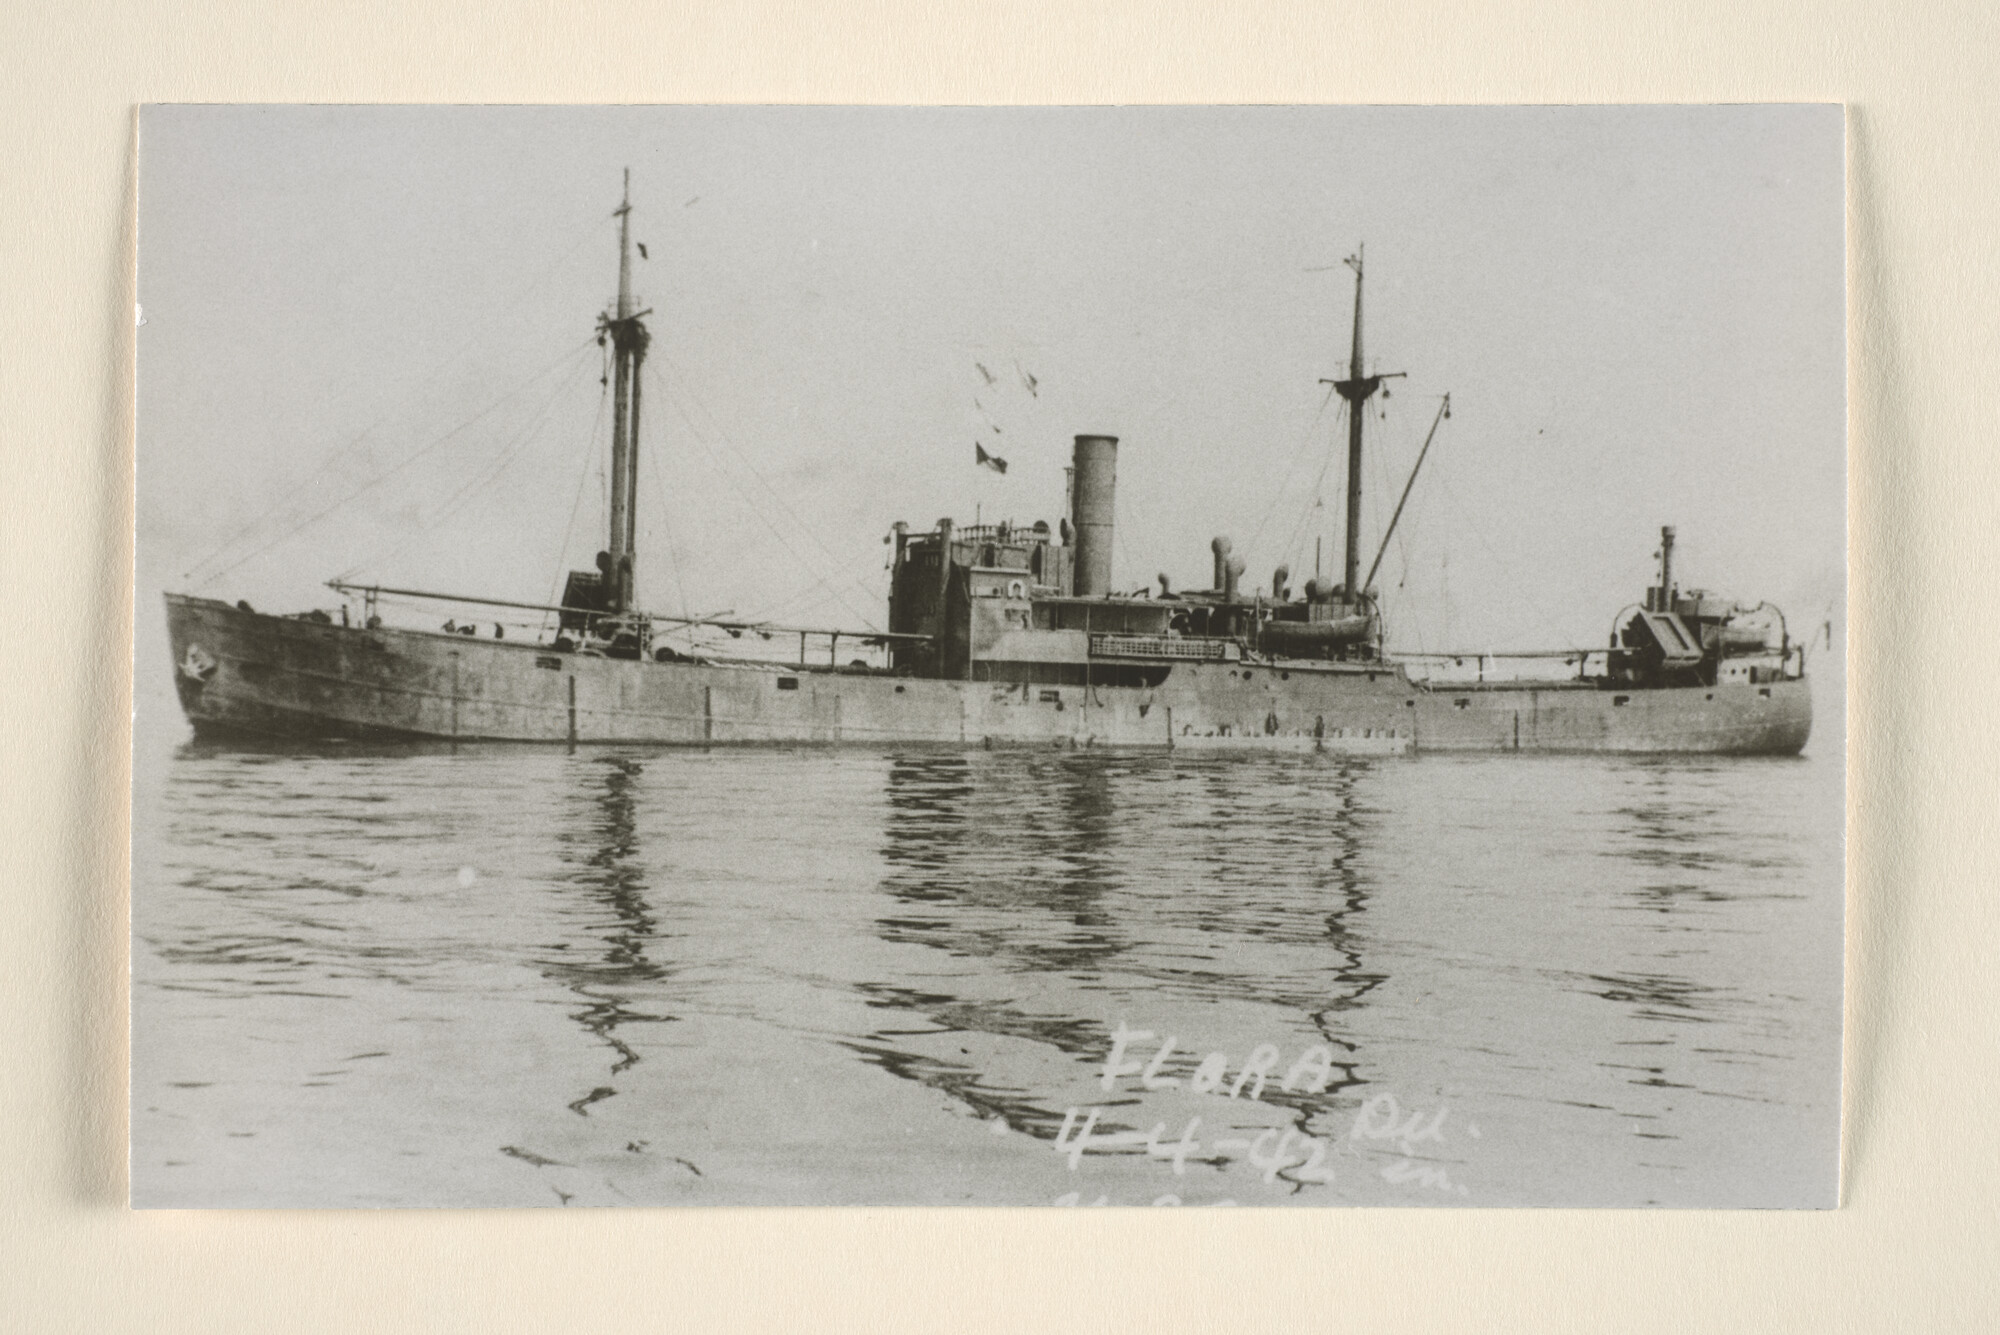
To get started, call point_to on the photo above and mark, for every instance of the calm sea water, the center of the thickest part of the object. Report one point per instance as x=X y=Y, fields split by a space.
x=501 y=976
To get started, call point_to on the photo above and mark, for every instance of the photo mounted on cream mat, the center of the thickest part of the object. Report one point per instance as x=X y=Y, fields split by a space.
x=915 y=656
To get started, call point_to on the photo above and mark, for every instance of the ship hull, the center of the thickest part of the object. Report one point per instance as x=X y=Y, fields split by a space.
x=244 y=674
x=1733 y=718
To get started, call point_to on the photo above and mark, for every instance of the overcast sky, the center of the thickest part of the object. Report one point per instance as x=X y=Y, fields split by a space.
x=1638 y=314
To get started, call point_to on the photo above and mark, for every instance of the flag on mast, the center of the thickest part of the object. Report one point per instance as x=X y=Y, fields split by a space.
x=985 y=460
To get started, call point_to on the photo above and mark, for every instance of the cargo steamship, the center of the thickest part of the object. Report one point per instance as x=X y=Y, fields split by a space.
x=998 y=634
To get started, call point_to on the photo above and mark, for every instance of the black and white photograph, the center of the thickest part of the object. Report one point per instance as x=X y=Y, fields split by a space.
x=1062 y=656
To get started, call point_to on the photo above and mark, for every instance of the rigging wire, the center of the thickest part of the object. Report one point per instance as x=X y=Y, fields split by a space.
x=1402 y=577
x=1380 y=480
x=294 y=529
x=511 y=451
x=1403 y=536
x=487 y=472
x=766 y=611
x=1298 y=452
x=779 y=500
x=776 y=531
x=1316 y=496
x=686 y=388
x=666 y=528
x=670 y=387
x=459 y=354
x=576 y=502
x=1519 y=585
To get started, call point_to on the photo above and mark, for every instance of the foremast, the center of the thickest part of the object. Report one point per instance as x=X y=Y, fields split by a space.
x=626 y=332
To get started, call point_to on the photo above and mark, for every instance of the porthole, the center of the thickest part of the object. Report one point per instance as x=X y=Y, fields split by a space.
x=788 y=683
x=1621 y=699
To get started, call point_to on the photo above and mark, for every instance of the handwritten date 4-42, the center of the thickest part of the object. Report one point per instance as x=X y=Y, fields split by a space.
x=1274 y=1150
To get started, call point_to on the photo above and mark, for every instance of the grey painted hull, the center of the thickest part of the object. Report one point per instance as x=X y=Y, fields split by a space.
x=247 y=674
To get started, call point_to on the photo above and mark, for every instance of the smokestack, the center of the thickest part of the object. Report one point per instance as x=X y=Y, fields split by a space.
x=1220 y=546
x=943 y=581
x=1666 y=569
x=1096 y=481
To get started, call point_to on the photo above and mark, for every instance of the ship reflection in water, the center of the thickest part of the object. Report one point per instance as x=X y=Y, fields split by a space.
x=614 y=910
x=498 y=977
x=1119 y=890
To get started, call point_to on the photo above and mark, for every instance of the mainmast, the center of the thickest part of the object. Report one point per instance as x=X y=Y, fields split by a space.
x=628 y=343
x=1356 y=389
